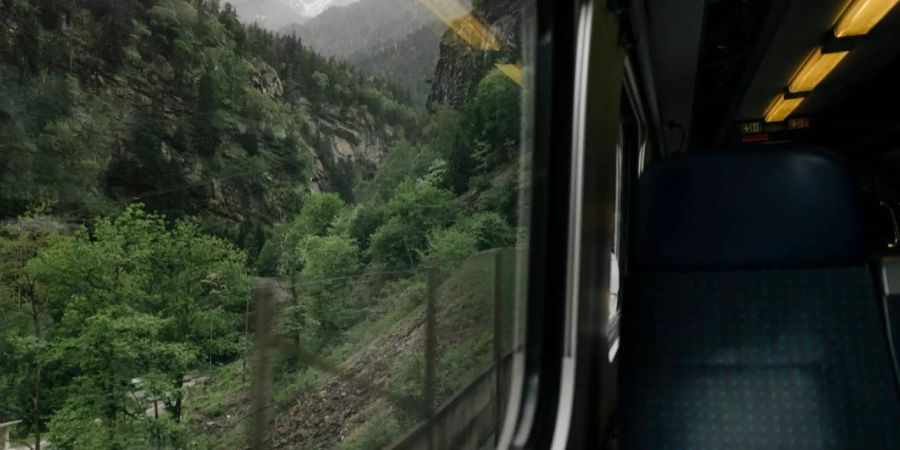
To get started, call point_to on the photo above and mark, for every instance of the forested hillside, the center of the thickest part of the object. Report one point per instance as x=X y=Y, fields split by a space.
x=162 y=165
x=178 y=105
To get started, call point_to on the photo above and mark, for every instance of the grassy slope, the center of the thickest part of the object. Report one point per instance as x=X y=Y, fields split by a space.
x=378 y=393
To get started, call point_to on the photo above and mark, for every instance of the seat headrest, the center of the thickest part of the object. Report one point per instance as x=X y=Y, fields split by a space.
x=781 y=206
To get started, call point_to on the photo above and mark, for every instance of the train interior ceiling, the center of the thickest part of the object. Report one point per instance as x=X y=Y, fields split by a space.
x=718 y=67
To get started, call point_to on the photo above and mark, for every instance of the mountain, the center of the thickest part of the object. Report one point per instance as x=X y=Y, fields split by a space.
x=364 y=26
x=395 y=39
x=200 y=116
x=196 y=151
x=274 y=14
x=409 y=62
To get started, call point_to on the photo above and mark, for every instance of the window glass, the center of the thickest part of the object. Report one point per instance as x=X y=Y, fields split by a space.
x=261 y=224
x=629 y=157
x=613 y=307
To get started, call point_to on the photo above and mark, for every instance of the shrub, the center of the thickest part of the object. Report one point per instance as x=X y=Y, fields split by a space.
x=414 y=212
x=489 y=230
x=451 y=244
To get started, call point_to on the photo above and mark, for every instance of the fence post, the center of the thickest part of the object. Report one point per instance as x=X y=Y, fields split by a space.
x=265 y=340
x=430 y=353
x=498 y=341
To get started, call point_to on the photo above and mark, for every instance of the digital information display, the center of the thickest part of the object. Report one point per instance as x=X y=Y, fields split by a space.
x=760 y=131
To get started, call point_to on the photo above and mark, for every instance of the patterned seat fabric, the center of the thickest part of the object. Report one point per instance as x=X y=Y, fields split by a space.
x=787 y=359
x=750 y=319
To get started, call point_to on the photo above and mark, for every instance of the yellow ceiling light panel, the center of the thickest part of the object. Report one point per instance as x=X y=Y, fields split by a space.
x=814 y=69
x=861 y=16
x=781 y=108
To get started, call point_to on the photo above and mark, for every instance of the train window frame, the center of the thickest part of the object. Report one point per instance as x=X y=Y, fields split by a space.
x=631 y=151
x=614 y=308
x=533 y=389
x=578 y=76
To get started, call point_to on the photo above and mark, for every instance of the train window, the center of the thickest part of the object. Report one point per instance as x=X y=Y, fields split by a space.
x=613 y=307
x=260 y=225
x=630 y=150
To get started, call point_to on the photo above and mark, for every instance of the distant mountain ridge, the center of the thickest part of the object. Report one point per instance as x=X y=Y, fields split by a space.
x=367 y=25
x=395 y=39
x=409 y=62
x=275 y=14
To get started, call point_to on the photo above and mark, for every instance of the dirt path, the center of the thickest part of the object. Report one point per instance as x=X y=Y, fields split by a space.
x=19 y=445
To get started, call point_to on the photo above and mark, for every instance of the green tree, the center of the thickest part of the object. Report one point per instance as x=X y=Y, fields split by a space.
x=320 y=84
x=322 y=305
x=496 y=105
x=451 y=134
x=415 y=210
x=309 y=250
x=24 y=336
x=54 y=139
x=369 y=216
x=451 y=244
x=445 y=135
x=207 y=128
x=403 y=161
x=135 y=299
x=318 y=214
x=327 y=260
x=116 y=22
x=315 y=219
x=489 y=230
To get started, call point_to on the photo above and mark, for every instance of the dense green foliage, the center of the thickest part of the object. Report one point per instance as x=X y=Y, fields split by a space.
x=156 y=154
x=172 y=102
x=126 y=311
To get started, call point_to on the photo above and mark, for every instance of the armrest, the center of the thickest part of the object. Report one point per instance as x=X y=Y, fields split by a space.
x=888 y=270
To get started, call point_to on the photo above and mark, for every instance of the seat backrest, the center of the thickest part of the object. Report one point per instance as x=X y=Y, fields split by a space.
x=750 y=319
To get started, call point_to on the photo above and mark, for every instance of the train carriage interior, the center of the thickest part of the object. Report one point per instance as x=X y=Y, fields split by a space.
x=758 y=301
x=752 y=293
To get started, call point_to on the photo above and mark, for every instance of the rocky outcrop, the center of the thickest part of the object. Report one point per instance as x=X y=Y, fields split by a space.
x=346 y=140
x=266 y=79
x=350 y=148
x=460 y=66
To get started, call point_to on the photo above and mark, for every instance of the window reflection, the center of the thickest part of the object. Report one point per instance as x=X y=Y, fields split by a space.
x=265 y=224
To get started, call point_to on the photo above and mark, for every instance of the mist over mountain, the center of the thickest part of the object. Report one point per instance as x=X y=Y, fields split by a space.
x=367 y=25
x=409 y=62
x=396 y=39
x=275 y=14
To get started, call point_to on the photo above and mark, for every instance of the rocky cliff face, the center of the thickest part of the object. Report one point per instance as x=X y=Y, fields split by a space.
x=266 y=80
x=350 y=148
x=460 y=66
x=338 y=147
x=349 y=143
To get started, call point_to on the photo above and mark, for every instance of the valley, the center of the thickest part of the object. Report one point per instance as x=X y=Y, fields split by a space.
x=166 y=163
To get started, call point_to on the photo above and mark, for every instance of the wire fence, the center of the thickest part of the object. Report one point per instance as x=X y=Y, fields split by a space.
x=460 y=328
